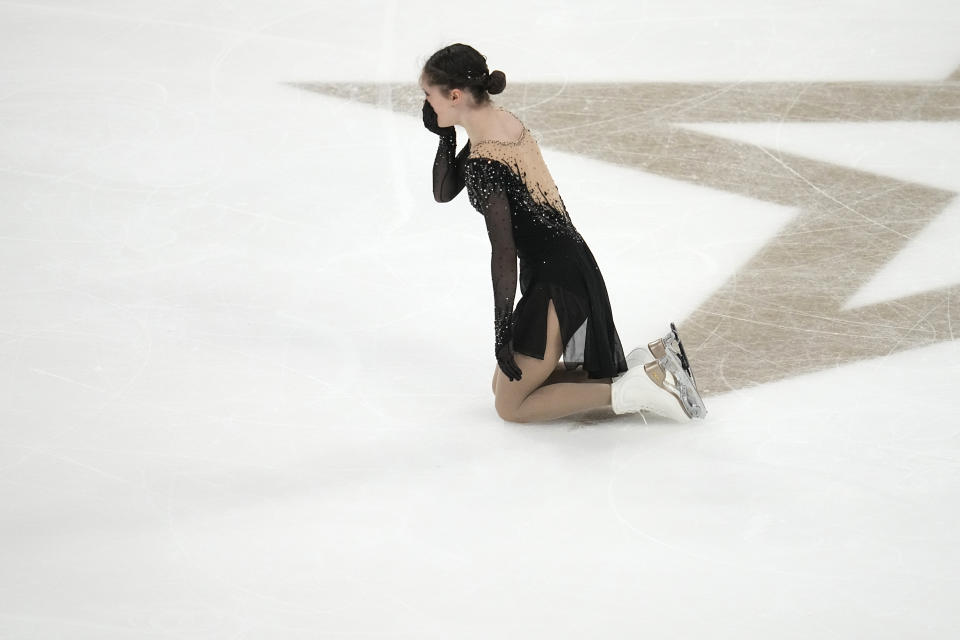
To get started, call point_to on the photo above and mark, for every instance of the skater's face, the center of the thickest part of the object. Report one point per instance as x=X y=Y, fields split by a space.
x=447 y=107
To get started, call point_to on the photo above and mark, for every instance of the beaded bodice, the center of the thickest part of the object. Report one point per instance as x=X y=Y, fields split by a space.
x=518 y=166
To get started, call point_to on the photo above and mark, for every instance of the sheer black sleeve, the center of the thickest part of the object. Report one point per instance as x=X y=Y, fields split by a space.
x=448 y=168
x=489 y=196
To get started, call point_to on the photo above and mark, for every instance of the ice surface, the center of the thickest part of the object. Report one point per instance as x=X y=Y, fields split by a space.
x=222 y=417
x=914 y=152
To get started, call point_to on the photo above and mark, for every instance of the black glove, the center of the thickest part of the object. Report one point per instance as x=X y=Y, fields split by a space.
x=503 y=348
x=430 y=121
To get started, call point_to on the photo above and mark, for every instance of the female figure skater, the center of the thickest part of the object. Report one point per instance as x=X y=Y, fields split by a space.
x=564 y=308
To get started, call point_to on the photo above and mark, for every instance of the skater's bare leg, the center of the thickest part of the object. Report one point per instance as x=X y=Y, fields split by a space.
x=530 y=399
x=560 y=374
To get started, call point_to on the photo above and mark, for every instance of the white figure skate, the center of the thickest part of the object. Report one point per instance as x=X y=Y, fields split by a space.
x=650 y=388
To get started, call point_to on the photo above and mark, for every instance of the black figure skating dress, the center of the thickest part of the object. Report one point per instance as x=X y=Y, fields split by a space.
x=509 y=183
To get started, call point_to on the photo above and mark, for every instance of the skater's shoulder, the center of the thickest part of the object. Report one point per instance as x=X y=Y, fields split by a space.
x=508 y=131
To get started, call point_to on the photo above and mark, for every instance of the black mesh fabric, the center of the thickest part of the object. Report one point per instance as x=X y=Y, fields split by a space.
x=448 y=167
x=490 y=197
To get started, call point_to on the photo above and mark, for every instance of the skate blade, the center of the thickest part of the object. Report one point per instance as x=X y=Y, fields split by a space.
x=673 y=341
x=686 y=390
x=659 y=349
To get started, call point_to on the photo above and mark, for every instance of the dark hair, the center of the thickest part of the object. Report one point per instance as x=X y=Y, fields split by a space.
x=460 y=66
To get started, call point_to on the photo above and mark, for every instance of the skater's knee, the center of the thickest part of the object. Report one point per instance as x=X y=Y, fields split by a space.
x=511 y=395
x=506 y=409
x=510 y=414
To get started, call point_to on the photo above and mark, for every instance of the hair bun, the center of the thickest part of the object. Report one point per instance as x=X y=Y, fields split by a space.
x=496 y=81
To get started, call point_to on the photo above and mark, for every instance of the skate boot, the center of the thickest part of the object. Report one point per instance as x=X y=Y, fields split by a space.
x=649 y=388
x=670 y=346
x=637 y=358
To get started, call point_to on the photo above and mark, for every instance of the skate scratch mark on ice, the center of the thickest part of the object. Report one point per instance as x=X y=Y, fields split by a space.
x=47 y=617
x=672 y=109
x=737 y=567
x=66 y=379
x=53 y=240
x=757 y=357
x=82 y=465
x=262 y=216
x=949 y=321
x=763 y=304
x=115 y=395
x=711 y=334
x=200 y=560
x=828 y=196
x=783 y=117
x=147 y=453
x=782 y=326
x=721 y=365
x=225 y=52
x=280 y=366
x=911 y=330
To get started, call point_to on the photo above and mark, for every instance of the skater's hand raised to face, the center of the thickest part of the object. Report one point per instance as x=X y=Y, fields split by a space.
x=430 y=121
x=507 y=363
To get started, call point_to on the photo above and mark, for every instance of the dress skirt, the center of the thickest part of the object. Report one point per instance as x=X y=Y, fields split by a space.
x=567 y=273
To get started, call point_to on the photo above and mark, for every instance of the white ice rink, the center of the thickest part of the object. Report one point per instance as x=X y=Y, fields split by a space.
x=245 y=357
